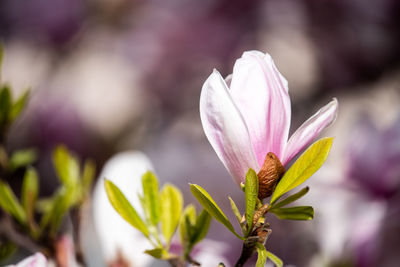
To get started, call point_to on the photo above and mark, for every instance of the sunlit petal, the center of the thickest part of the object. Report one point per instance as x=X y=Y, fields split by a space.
x=225 y=128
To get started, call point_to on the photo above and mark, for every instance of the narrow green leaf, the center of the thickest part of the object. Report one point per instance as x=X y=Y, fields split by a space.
x=158 y=253
x=18 y=106
x=211 y=207
x=63 y=203
x=294 y=213
x=48 y=207
x=262 y=255
x=22 y=158
x=291 y=198
x=124 y=208
x=30 y=187
x=251 y=195
x=89 y=171
x=5 y=104
x=275 y=259
x=57 y=207
x=151 y=197
x=171 y=209
x=305 y=166
x=10 y=203
x=66 y=165
x=236 y=211
x=201 y=227
x=187 y=220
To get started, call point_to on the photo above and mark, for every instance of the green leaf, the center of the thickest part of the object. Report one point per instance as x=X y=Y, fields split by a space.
x=158 y=253
x=18 y=106
x=30 y=188
x=5 y=104
x=294 y=213
x=305 y=166
x=262 y=255
x=171 y=209
x=22 y=158
x=10 y=203
x=66 y=165
x=251 y=195
x=201 y=227
x=275 y=259
x=151 y=197
x=187 y=220
x=291 y=198
x=211 y=207
x=43 y=205
x=236 y=212
x=89 y=171
x=7 y=249
x=62 y=201
x=124 y=208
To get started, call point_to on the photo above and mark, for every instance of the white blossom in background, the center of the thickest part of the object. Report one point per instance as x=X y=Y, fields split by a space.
x=119 y=241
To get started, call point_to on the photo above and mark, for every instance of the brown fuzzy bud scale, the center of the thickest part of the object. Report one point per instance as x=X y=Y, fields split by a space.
x=269 y=175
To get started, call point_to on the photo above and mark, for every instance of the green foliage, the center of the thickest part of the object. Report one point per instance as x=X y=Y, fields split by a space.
x=30 y=189
x=238 y=217
x=22 y=158
x=188 y=218
x=10 y=203
x=124 y=208
x=294 y=213
x=5 y=104
x=151 y=198
x=18 y=106
x=66 y=166
x=171 y=208
x=89 y=171
x=72 y=192
x=158 y=253
x=292 y=198
x=163 y=209
x=193 y=228
x=262 y=255
x=211 y=207
x=251 y=195
x=275 y=259
x=305 y=166
x=200 y=228
x=10 y=109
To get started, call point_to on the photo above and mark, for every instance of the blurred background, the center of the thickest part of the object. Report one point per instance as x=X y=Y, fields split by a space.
x=115 y=75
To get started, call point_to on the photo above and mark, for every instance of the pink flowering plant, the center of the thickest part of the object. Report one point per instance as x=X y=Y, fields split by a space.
x=246 y=118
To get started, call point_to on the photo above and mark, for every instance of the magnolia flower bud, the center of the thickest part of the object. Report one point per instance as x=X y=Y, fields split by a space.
x=269 y=175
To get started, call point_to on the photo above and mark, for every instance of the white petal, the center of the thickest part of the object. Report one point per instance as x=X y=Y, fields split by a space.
x=225 y=128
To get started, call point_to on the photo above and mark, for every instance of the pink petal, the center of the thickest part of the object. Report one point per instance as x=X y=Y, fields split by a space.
x=261 y=94
x=36 y=260
x=225 y=128
x=310 y=130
